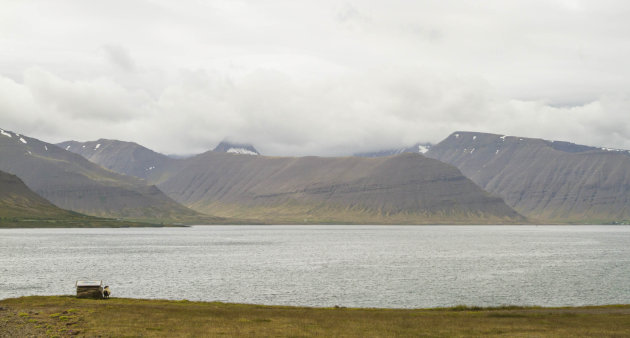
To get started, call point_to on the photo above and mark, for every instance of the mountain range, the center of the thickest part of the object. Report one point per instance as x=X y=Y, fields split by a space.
x=407 y=189
x=469 y=177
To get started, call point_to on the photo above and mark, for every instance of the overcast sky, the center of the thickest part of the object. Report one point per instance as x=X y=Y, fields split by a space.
x=314 y=77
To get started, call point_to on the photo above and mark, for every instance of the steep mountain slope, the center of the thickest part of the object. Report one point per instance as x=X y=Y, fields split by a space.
x=20 y=207
x=408 y=188
x=546 y=180
x=127 y=158
x=18 y=201
x=419 y=148
x=71 y=182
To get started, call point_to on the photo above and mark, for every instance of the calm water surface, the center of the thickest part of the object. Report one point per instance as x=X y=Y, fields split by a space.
x=359 y=266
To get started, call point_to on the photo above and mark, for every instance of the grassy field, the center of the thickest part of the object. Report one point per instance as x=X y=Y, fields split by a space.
x=50 y=316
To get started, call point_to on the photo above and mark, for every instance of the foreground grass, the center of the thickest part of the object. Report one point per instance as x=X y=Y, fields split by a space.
x=67 y=316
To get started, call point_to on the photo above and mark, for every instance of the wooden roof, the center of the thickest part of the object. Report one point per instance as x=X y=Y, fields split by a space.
x=89 y=283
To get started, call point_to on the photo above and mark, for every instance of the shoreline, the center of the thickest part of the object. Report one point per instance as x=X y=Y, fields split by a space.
x=69 y=316
x=175 y=226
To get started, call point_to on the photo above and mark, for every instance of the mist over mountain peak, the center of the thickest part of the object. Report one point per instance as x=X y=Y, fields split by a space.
x=419 y=148
x=236 y=148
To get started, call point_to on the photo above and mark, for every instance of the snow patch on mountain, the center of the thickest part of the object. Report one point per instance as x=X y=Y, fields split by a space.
x=611 y=149
x=242 y=151
x=97 y=146
x=23 y=140
x=5 y=133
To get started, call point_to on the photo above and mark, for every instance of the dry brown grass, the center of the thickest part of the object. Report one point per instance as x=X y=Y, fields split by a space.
x=65 y=316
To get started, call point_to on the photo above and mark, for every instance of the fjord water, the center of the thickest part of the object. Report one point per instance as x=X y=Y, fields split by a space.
x=357 y=266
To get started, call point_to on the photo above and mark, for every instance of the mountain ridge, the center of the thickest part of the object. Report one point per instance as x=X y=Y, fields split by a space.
x=71 y=182
x=124 y=157
x=552 y=181
x=327 y=190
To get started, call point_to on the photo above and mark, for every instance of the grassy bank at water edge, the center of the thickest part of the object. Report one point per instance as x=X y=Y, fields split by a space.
x=49 y=316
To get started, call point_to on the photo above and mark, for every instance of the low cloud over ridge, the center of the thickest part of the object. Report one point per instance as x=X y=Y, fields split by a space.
x=363 y=112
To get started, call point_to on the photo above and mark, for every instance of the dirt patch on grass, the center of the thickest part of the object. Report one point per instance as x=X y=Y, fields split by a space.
x=34 y=320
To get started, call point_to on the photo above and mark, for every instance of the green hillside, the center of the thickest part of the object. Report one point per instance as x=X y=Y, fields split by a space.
x=21 y=207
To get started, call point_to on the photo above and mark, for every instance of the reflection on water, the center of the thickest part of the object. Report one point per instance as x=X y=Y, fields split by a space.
x=362 y=266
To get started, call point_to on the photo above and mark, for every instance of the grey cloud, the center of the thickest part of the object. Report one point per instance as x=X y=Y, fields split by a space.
x=349 y=13
x=280 y=116
x=119 y=57
x=97 y=100
x=351 y=18
x=422 y=32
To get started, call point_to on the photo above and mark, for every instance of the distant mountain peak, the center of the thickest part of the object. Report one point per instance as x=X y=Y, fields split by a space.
x=18 y=137
x=236 y=148
x=128 y=158
x=4 y=133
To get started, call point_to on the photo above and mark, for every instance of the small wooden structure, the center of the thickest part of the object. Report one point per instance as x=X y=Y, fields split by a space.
x=89 y=289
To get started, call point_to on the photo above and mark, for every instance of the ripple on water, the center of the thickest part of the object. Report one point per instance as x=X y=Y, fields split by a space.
x=366 y=266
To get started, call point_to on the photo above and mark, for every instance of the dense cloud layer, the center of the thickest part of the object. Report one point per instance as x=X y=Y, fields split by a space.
x=323 y=78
